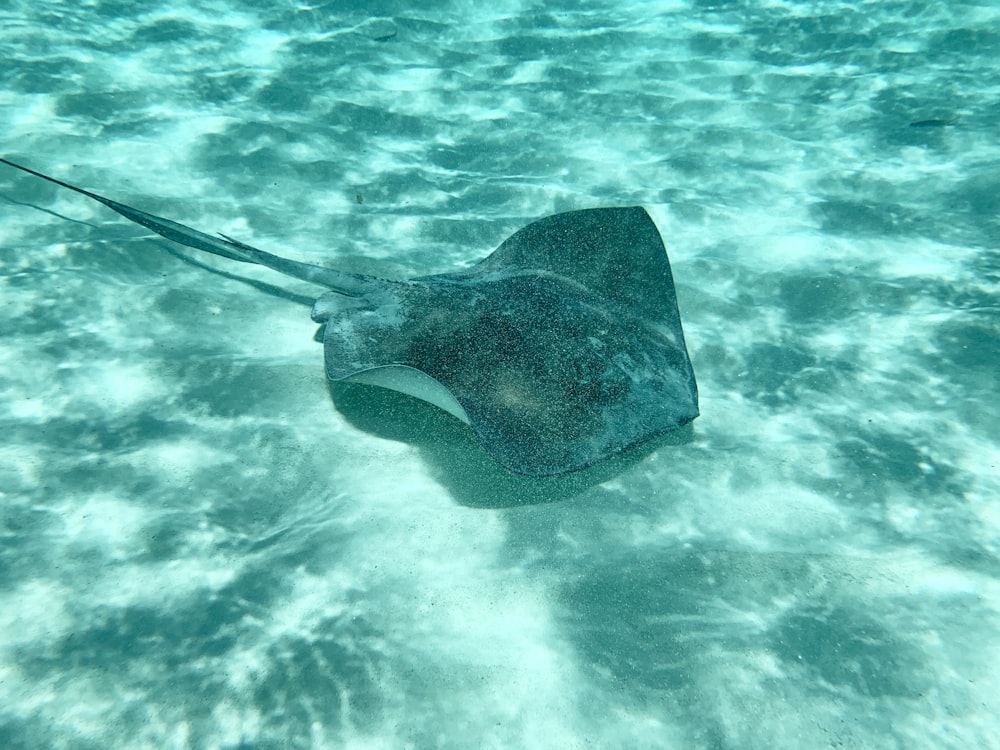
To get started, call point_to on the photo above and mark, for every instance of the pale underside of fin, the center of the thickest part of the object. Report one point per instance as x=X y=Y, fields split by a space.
x=413 y=383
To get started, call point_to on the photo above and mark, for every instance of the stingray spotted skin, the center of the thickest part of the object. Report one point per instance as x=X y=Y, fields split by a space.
x=561 y=348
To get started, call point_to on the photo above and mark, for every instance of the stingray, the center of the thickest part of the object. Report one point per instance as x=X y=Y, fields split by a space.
x=560 y=349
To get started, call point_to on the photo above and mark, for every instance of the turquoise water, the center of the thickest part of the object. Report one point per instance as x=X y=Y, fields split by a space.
x=206 y=546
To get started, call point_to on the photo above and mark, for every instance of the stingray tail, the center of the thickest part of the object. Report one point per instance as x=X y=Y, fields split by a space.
x=339 y=281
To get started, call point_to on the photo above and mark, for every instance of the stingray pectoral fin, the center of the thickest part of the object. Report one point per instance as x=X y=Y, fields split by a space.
x=345 y=283
x=412 y=382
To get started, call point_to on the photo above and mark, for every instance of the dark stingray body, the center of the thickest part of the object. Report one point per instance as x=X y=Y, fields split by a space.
x=561 y=348
x=553 y=374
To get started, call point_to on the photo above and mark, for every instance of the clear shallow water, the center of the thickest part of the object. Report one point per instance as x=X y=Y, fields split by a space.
x=205 y=546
